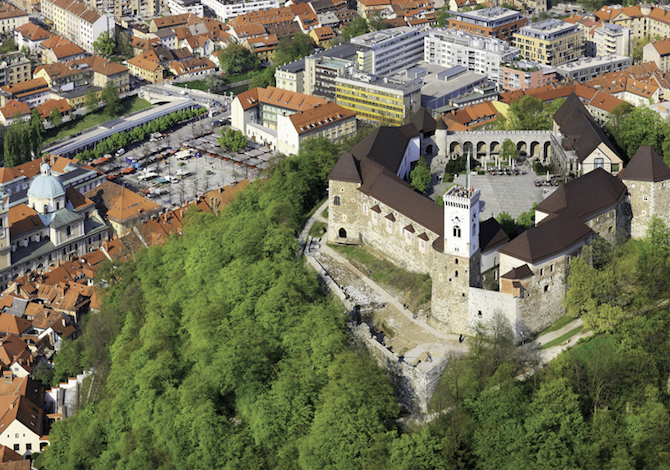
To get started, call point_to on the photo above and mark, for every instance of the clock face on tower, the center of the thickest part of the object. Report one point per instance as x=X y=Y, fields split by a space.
x=456 y=220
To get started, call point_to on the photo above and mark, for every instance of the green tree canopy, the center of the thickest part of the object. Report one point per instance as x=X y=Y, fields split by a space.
x=443 y=15
x=263 y=78
x=110 y=95
x=355 y=28
x=36 y=133
x=91 y=101
x=236 y=58
x=232 y=140
x=377 y=23
x=55 y=117
x=104 y=45
x=509 y=149
x=530 y=113
x=420 y=175
x=293 y=48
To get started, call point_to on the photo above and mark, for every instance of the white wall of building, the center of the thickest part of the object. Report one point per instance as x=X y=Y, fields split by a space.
x=227 y=11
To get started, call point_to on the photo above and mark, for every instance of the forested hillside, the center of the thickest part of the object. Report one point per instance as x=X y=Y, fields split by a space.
x=219 y=351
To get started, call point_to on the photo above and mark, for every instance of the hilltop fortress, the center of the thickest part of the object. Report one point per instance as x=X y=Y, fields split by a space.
x=372 y=204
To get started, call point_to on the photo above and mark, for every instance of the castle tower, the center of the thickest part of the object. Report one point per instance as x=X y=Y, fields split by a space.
x=441 y=138
x=458 y=268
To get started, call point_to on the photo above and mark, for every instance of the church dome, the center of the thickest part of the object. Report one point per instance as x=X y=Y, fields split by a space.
x=45 y=185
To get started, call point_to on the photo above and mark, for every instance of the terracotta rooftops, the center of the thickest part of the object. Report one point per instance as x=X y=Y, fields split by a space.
x=646 y=165
x=15 y=108
x=33 y=32
x=585 y=196
x=662 y=46
x=319 y=117
x=553 y=236
x=279 y=98
x=34 y=85
x=522 y=272
x=143 y=63
x=120 y=204
x=23 y=219
x=10 y=11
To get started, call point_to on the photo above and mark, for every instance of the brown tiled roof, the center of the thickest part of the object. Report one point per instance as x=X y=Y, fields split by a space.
x=121 y=204
x=491 y=235
x=662 y=46
x=385 y=145
x=280 y=98
x=585 y=196
x=251 y=30
x=14 y=107
x=32 y=32
x=13 y=324
x=424 y=121
x=522 y=272
x=18 y=465
x=10 y=11
x=646 y=165
x=270 y=16
x=8 y=455
x=325 y=32
x=319 y=117
x=68 y=50
x=77 y=199
x=23 y=410
x=174 y=20
x=26 y=86
x=8 y=174
x=144 y=63
x=23 y=219
x=45 y=108
x=581 y=133
x=553 y=236
x=191 y=65
x=102 y=66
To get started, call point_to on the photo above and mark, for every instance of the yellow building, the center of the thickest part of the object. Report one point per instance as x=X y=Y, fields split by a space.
x=367 y=8
x=387 y=101
x=77 y=97
x=146 y=69
x=105 y=70
x=11 y=18
x=550 y=42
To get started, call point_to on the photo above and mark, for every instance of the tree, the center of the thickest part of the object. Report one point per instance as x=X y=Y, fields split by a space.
x=8 y=45
x=420 y=175
x=638 y=47
x=291 y=49
x=640 y=126
x=377 y=23
x=55 y=117
x=236 y=58
x=355 y=28
x=506 y=221
x=91 y=101
x=263 y=79
x=530 y=113
x=110 y=95
x=37 y=132
x=443 y=16
x=123 y=46
x=232 y=140
x=508 y=149
x=104 y=45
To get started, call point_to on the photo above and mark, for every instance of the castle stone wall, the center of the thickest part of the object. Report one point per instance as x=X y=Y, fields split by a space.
x=485 y=304
x=646 y=200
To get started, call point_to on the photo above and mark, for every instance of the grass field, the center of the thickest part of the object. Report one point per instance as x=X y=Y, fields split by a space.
x=410 y=288
x=318 y=229
x=130 y=105
x=230 y=79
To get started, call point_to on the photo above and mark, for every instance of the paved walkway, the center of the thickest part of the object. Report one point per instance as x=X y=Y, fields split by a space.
x=547 y=355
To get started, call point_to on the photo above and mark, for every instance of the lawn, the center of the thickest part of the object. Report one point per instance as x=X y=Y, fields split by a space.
x=558 y=324
x=410 y=288
x=318 y=229
x=563 y=338
x=194 y=85
x=81 y=123
x=230 y=79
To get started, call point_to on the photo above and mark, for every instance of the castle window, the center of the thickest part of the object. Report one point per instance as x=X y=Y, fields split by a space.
x=336 y=200
x=375 y=218
x=645 y=198
x=474 y=229
x=455 y=273
x=479 y=313
x=551 y=268
x=389 y=226
x=422 y=246
x=365 y=208
x=457 y=232
x=456 y=261
x=662 y=185
x=57 y=205
x=541 y=271
x=69 y=230
x=546 y=288
x=342 y=233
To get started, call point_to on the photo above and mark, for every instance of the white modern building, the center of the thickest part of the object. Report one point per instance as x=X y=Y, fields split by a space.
x=227 y=9
x=77 y=22
x=612 y=39
x=587 y=68
x=450 y=48
x=181 y=7
x=390 y=50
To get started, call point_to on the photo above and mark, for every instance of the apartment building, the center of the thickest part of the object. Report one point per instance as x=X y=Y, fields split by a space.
x=14 y=68
x=11 y=18
x=659 y=53
x=643 y=20
x=291 y=76
x=586 y=68
x=227 y=9
x=77 y=22
x=496 y=22
x=282 y=119
x=180 y=7
x=390 y=50
x=32 y=92
x=30 y=36
x=485 y=55
x=382 y=100
x=146 y=69
x=367 y=8
x=612 y=39
x=550 y=42
x=526 y=75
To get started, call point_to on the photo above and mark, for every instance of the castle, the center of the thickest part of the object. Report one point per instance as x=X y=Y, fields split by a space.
x=371 y=203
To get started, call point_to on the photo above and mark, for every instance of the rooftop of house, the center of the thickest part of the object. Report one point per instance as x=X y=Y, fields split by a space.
x=277 y=97
x=78 y=9
x=120 y=204
x=32 y=32
x=319 y=117
x=646 y=165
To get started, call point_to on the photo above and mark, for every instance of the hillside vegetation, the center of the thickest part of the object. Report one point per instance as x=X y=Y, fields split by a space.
x=219 y=351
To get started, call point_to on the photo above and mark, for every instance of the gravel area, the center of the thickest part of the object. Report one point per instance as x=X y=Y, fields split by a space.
x=358 y=292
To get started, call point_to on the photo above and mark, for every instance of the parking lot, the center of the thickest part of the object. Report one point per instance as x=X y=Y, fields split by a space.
x=178 y=181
